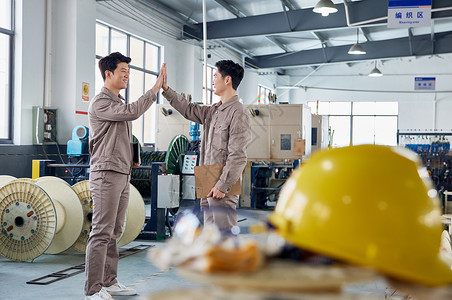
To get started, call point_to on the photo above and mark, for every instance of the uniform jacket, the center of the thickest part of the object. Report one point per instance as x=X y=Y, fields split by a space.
x=226 y=134
x=110 y=134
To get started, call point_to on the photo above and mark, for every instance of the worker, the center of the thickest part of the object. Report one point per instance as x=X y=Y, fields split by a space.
x=110 y=146
x=226 y=136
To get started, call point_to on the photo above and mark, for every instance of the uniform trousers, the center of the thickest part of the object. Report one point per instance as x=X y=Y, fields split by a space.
x=110 y=196
x=221 y=212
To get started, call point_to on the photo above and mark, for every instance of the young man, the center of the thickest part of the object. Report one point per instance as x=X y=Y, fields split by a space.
x=110 y=146
x=226 y=135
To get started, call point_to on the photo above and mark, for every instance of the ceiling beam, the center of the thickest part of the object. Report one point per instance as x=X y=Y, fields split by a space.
x=275 y=41
x=410 y=40
x=421 y=45
x=365 y=33
x=304 y=20
x=239 y=14
x=170 y=13
x=292 y=5
x=233 y=47
x=232 y=9
x=319 y=36
x=286 y=15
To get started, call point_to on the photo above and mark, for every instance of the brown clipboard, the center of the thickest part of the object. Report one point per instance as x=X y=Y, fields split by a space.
x=207 y=176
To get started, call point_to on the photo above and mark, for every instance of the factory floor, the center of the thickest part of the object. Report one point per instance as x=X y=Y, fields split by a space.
x=135 y=271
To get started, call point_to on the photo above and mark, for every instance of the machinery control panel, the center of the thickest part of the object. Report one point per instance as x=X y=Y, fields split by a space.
x=190 y=162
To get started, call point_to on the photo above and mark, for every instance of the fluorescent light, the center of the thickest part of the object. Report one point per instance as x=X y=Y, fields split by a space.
x=325 y=7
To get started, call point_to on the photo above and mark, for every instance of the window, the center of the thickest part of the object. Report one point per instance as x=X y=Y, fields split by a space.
x=211 y=97
x=360 y=122
x=6 y=62
x=144 y=69
x=262 y=95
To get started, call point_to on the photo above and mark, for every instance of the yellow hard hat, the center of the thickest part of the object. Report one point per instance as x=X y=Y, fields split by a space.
x=369 y=205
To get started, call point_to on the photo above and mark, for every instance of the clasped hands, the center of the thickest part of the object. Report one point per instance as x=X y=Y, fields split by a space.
x=162 y=81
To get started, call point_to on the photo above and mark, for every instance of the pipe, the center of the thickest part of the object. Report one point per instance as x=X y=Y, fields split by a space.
x=48 y=56
x=434 y=111
x=347 y=17
x=204 y=35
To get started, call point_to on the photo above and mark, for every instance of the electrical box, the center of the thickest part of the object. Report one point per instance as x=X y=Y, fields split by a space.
x=168 y=191
x=188 y=187
x=44 y=125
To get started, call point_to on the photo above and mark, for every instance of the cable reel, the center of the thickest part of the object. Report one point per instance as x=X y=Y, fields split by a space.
x=28 y=221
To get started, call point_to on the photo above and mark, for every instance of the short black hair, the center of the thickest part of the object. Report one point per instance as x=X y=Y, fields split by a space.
x=230 y=68
x=111 y=61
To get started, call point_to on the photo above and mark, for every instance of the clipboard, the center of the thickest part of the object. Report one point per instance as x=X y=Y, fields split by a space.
x=207 y=176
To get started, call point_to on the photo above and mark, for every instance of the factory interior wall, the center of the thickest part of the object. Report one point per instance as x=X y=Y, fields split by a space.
x=73 y=62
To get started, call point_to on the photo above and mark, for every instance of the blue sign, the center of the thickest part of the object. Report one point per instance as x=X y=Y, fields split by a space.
x=424 y=83
x=409 y=13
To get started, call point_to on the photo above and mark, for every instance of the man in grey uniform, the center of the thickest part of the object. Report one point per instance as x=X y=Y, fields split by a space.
x=226 y=135
x=110 y=146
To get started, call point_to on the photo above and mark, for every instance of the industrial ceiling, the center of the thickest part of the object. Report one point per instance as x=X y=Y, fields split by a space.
x=285 y=34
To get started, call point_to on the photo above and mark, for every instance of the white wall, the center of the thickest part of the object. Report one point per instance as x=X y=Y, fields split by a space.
x=29 y=66
x=73 y=62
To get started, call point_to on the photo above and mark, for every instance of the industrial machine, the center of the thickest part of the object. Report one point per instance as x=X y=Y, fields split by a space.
x=267 y=179
x=78 y=145
x=319 y=132
x=280 y=139
x=434 y=150
x=279 y=131
x=78 y=154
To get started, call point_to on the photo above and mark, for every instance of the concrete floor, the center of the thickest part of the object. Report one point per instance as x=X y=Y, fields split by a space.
x=135 y=271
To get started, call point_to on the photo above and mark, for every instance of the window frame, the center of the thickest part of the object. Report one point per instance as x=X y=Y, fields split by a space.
x=210 y=90
x=11 y=34
x=351 y=115
x=135 y=67
x=264 y=99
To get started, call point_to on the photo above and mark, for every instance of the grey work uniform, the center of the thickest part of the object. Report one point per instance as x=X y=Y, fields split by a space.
x=226 y=135
x=110 y=146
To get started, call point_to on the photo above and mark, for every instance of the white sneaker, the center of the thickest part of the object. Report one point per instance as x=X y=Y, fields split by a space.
x=118 y=289
x=100 y=295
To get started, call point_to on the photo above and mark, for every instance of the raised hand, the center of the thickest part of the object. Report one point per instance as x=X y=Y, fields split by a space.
x=165 y=80
x=159 y=82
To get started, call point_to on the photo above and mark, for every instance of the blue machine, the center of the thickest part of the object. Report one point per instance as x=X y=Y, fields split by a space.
x=194 y=131
x=79 y=143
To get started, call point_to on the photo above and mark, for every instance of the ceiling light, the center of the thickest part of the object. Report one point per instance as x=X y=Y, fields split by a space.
x=357 y=48
x=375 y=72
x=325 y=7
